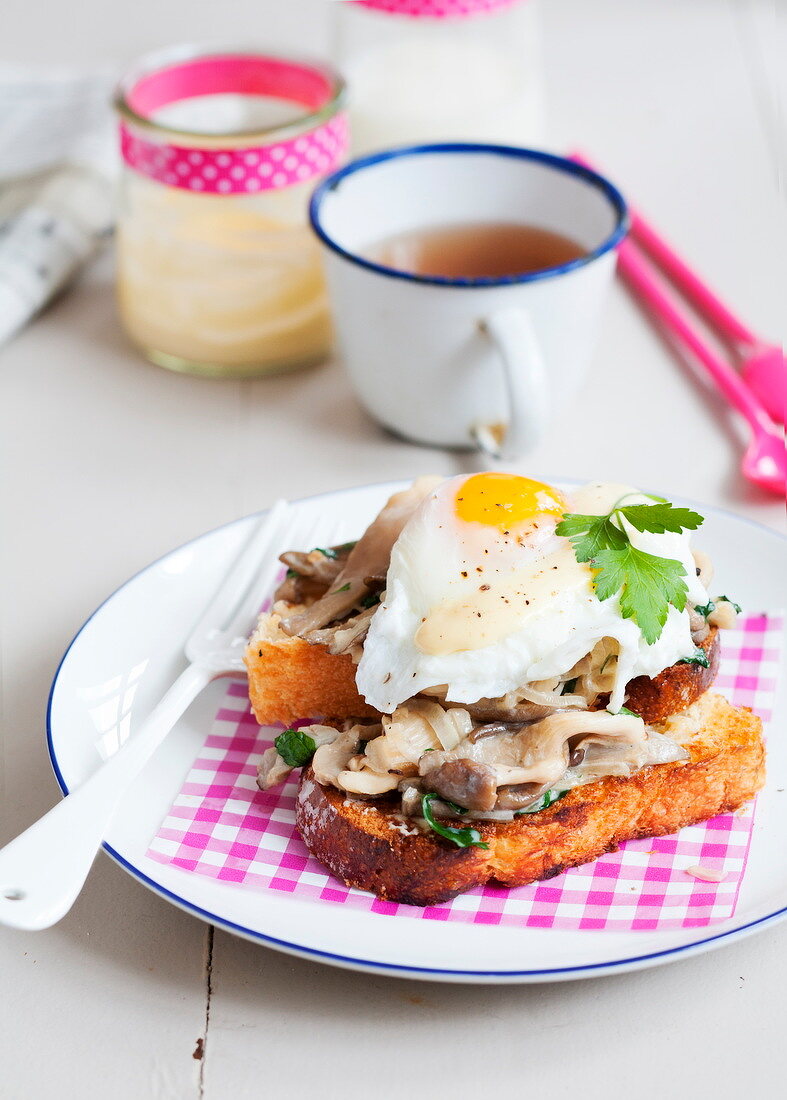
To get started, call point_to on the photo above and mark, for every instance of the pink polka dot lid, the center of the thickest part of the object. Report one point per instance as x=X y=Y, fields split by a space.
x=239 y=163
x=436 y=9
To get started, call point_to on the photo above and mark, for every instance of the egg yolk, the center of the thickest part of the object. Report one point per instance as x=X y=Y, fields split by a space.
x=506 y=500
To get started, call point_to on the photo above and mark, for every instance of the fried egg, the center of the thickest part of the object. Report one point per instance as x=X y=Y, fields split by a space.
x=483 y=596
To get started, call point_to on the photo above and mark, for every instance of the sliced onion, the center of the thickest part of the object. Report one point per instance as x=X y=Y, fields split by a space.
x=450 y=726
x=550 y=698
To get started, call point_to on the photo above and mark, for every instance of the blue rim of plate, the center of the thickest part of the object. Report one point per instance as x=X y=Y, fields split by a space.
x=352 y=960
x=561 y=164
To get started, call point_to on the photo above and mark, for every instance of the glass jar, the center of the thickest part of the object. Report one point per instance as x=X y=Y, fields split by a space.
x=218 y=272
x=440 y=70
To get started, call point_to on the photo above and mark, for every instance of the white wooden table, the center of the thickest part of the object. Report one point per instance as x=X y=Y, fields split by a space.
x=108 y=462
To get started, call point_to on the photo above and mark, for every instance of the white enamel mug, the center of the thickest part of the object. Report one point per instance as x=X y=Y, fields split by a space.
x=465 y=363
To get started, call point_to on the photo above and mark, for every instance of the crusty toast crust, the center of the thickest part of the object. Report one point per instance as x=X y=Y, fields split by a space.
x=677 y=687
x=367 y=845
x=289 y=679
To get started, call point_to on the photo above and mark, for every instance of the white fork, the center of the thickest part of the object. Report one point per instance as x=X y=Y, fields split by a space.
x=43 y=869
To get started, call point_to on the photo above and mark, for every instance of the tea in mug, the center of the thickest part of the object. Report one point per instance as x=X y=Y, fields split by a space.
x=475 y=250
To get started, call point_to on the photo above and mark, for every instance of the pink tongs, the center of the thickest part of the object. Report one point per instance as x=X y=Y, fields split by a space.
x=759 y=391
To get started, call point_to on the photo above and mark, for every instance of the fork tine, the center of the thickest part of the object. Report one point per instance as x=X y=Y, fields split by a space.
x=242 y=572
x=294 y=535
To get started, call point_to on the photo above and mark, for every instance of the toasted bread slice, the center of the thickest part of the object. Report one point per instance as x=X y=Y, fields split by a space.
x=289 y=679
x=370 y=846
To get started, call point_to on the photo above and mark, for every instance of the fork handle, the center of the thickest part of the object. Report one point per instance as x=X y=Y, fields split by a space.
x=43 y=870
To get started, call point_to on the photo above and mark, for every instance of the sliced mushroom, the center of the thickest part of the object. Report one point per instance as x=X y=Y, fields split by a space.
x=538 y=754
x=310 y=573
x=496 y=710
x=315 y=564
x=369 y=557
x=519 y=796
x=699 y=627
x=412 y=793
x=407 y=736
x=332 y=759
x=299 y=590
x=343 y=637
x=366 y=782
x=465 y=782
x=273 y=770
x=603 y=756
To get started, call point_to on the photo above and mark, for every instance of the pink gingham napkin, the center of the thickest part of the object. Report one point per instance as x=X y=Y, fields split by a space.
x=221 y=826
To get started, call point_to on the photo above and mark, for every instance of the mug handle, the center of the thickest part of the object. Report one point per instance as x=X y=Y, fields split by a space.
x=511 y=331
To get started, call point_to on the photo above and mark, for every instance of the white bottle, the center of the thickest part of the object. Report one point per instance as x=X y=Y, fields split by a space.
x=440 y=70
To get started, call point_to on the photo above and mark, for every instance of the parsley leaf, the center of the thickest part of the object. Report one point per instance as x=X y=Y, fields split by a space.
x=462 y=838
x=647 y=584
x=589 y=534
x=660 y=517
x=295 y=747
x=630 y=713
x=344 y=588
x=705 y=609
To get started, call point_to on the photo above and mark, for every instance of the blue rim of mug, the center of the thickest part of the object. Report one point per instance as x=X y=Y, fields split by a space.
x=561 y=164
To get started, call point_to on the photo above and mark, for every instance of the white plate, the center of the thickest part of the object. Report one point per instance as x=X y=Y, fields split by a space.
x=130 y=650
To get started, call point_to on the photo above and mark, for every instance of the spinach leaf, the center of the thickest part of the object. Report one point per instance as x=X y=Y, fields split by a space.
x=295 y=747
x=462 y=838
x=547 y=798
x=700 y=658
x=452 y=805
x=705 y=609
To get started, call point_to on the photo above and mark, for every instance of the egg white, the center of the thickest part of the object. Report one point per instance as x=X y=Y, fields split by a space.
x=440 y=560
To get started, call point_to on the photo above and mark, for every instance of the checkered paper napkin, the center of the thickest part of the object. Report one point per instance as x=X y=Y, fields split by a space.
x=221 y=826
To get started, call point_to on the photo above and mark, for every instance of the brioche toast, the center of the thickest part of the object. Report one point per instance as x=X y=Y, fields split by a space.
x=291 y=679
x=369 y=845
x=508 y=683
